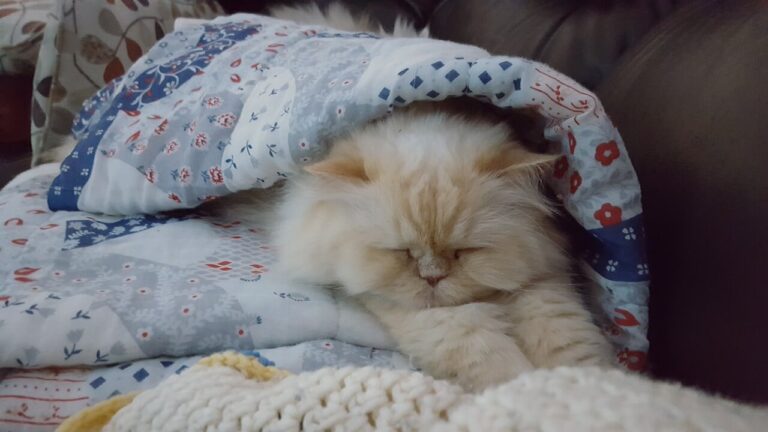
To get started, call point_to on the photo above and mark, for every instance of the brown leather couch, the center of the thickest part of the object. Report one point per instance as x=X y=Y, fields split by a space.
x=685 y=82
x=15 y=99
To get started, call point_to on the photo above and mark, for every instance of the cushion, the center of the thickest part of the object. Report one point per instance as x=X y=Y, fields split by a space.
x=21 y=29
x=245 y=101
x=87 y=46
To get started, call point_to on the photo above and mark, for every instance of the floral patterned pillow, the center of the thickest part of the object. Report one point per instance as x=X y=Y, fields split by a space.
x=21 y=29
x=86 y=44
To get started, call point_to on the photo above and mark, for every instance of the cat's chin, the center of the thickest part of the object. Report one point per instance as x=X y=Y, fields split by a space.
x=429 y=298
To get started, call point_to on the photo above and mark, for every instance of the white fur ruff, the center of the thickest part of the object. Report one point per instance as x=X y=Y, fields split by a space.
x=339 y=17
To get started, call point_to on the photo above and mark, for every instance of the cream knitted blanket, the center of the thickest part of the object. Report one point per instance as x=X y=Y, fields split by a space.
x=232 y=392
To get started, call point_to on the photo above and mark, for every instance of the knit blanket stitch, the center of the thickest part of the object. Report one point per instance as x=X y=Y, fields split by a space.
x=231 y=392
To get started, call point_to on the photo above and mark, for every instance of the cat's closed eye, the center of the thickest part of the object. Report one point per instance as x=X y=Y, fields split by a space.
x=458 y=253
x=404 y=251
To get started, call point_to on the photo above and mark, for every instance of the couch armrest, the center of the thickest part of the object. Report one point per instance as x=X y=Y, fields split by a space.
x=690 y=103
x=583 y=39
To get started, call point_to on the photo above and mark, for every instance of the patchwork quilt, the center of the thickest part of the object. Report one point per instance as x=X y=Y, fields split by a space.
x=245 y=101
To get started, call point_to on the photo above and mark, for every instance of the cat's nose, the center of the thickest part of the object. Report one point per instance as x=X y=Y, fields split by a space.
x=433 y=280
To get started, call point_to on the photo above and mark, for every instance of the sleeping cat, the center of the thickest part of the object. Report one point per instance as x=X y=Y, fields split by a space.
x=437 y=223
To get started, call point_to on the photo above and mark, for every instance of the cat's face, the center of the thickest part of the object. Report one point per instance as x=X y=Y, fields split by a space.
x=456 y=223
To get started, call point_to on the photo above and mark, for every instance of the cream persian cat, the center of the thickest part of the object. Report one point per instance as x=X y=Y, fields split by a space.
x=437 y=223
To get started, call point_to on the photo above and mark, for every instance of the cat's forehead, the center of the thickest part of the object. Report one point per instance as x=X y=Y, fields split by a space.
x=431 y=209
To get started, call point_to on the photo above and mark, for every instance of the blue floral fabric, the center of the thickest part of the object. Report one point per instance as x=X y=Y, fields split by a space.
x=87 y=232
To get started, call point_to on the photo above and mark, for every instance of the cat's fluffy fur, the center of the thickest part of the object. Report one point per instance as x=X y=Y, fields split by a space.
x=436 y=222
x=339 y=17
x=438 y=225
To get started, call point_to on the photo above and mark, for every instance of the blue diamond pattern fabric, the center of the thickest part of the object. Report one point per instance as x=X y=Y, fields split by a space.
x=96 y=383
x=485 y=77
x=452 y=75
x=140 y=375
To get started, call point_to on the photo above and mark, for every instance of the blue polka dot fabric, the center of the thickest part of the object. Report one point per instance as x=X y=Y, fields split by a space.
x=244 y=101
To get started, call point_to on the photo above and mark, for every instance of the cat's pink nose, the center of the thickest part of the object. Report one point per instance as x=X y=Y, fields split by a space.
x=433 y=280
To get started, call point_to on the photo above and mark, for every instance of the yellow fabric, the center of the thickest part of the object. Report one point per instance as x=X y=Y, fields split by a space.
x=93 y=419
x=249 y=366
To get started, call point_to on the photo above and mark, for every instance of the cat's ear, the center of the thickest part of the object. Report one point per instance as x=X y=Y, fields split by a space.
x=513 y=160
x=344 y=162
